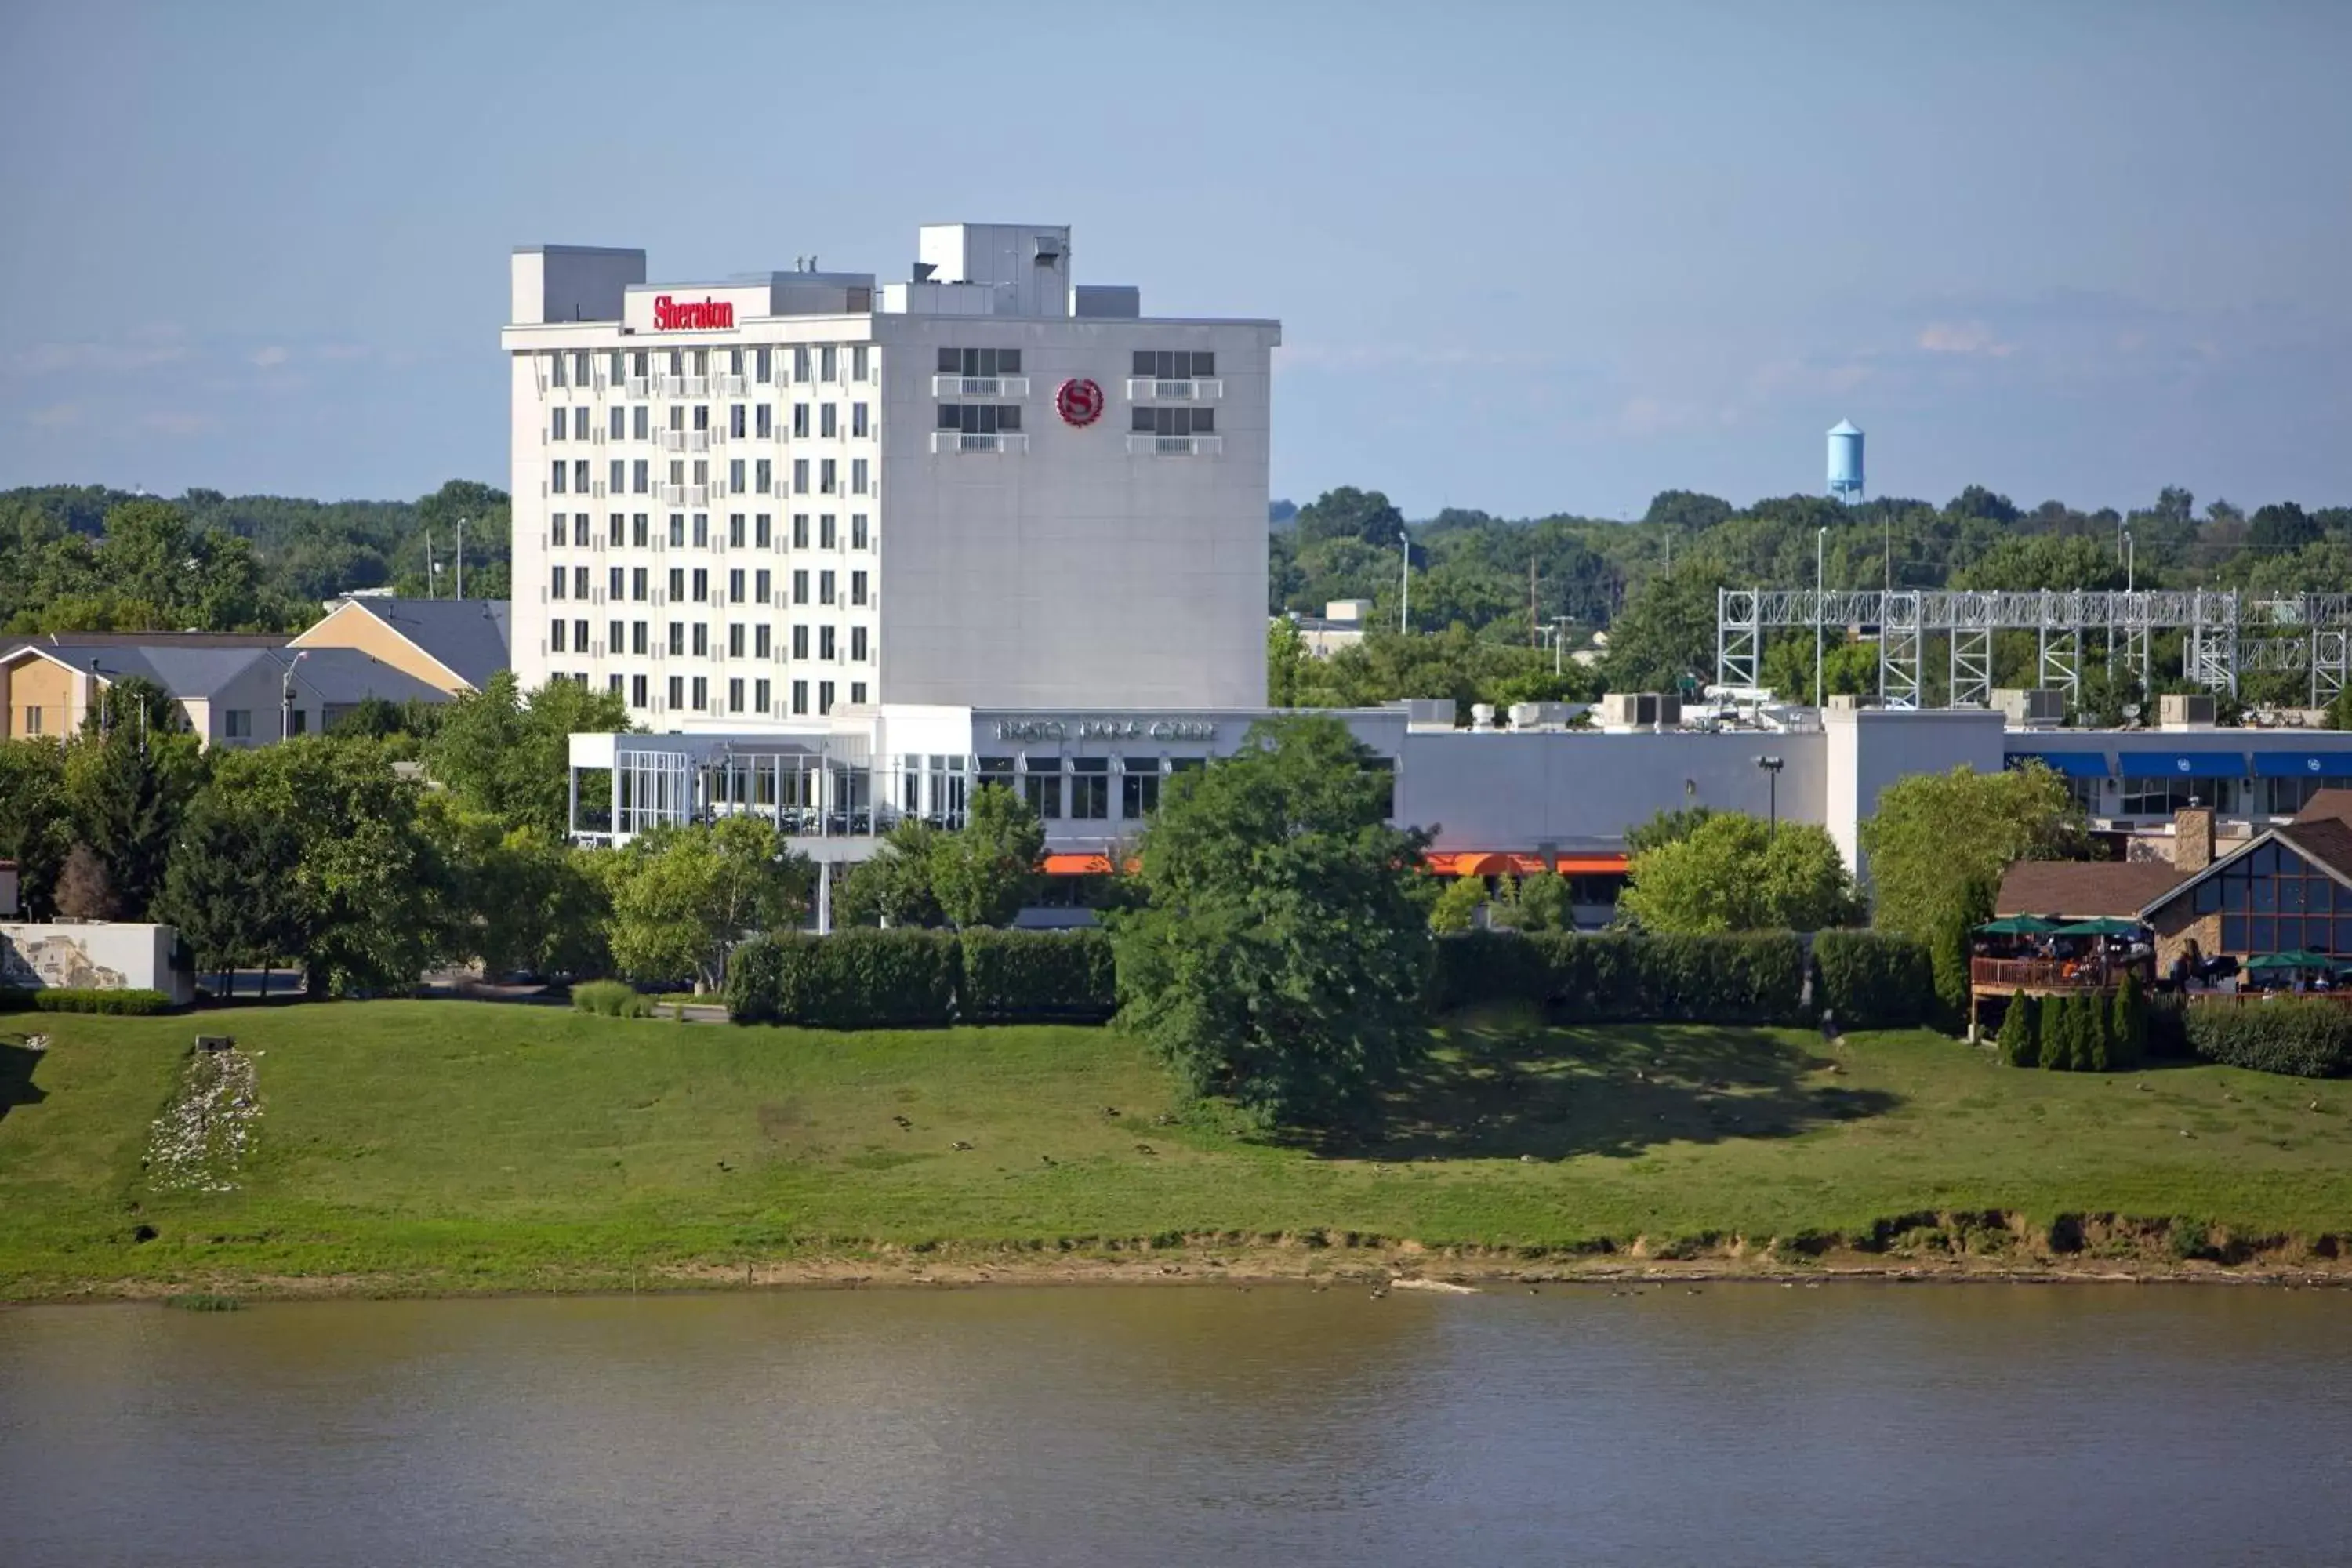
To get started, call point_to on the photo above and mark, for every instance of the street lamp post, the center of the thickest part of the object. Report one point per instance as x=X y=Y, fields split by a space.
x=286 y=698
x=1404 y=606
x=1771 y=766
x=1820 y=541
x=2131 y=551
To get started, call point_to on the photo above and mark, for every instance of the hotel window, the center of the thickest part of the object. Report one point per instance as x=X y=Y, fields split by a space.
x=580 y=423
x=636 y=530
x=825 y=532
x=616 y=637
x=800 y=421
x=763 y=531
x=640 y=476
x=637 y=691
x=638 y=644
x=580 y=475
x=1173 y=422
x=612 y=684
x=701 y=643
x=857 y=645
x=677 y=471
x=827 y=480
x=979 y=418
x=580 y=639
x=676 y=583
x=702 y=531
x=617 y=475
x=764 y=477
x=763 y=422
x=735 y=476
x=1090 y=789
x=763 y=365
x=637 y=362
x=559 y=427
x=857 y=476
x=637 y=584
x=800 y=642
x=825 y=588
x=702 y=362
x=824 y=644
x=735 y=585
x=555 y=636
x=616 y=426
x=800 y=697
x=701 y=693
x=760 y=697
x=1179 y=364
x=676 y=362
x=861 y=360
x=735 y=639
x=702 y=586
x=980 y=361
x=580 y=374
x=677 y=530
x=612 y=584
x=760 y=584
x=734 y=362
x=677 y=691
x=857 y=587
x=560 y=528
x=799 y=475
x=702 y=471
x=555 y=477
x=824 y=696
x=618 y=373
x=857 y=694
x=763 y=643
x=677 y=639
x=827 y=425
x=800 y=530
x=579 y=582
x=800 y=587
x=734 y=531
x=1041 y=784
x=555 y=368
x=799 y=362
x=1139 y=787
x=828 y=364
x=857 y=531
x=702 y=416
x=858 y=424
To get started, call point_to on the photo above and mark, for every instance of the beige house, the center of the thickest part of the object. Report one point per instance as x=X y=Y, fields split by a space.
x=454 y=645
x=230 y=691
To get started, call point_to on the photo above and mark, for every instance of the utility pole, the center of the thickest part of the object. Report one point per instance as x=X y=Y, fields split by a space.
x=1404 y=608
x=428 y=564
x=1532 y=603
x=1821 y=540
x=461 y=558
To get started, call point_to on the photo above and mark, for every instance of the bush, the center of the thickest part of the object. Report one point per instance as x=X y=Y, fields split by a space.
x=1875 y=980
x=2056 y=1034
x=2127 y=1025
x=2299 y=1036
x=2166 y=1034
x=1023 y=976
x=850 y=980
x=2021 y=1031
x=1478 y=966
x=119 y=1003
x=611 y=999
x=1756 y=978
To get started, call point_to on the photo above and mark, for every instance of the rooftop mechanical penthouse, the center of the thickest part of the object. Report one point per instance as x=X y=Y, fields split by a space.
x=759 y=501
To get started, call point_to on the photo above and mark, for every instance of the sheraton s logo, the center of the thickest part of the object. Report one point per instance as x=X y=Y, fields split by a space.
x=691 y=315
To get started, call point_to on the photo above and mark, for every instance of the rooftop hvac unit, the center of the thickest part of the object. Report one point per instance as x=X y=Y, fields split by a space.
x=2184 y=710
x=2036 y=709
x=1640 y=711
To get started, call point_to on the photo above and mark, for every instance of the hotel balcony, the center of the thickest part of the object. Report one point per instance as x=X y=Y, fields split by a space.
x=1145 y=389
x=966 y=441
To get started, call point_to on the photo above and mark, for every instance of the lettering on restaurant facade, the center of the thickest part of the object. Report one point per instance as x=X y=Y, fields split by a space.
x=1106 y=730
x=691 y=315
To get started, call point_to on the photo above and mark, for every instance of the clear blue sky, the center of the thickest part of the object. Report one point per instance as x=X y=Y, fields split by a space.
x=1528 y=257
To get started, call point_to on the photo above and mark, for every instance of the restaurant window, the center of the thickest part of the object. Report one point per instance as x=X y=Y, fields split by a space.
x=2274 y=901
x=1139 y=787
x=1041 y=785
x=1089 y=789
x=2166 y=793
x=2284 y=797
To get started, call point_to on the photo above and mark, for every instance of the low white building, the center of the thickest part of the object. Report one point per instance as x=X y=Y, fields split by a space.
x=759 y=501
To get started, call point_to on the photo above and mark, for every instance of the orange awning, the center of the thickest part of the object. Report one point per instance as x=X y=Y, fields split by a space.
x=1592 y=865
x=1077 y=865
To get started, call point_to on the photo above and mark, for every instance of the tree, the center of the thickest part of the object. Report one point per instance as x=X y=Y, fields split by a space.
x=1667 y=633
x=1733 y=874
x=1546 y=902
x=128 y=785
x=1350 y=513
x=36 y=823
x=2057 y=1033
x=2021 y=1031
x=1687 y=511
x=1979 y=502
x=1951 y=945
x=1279 y=961
x=2128 y=1024
x=1935 y=835
x=1457 y=905
x=233 y=890
x=983 y=874
x=514 y=898
x=683 y=898
x=893 y=886
x=85 y=892
x=501 y=752
x=2284 y=525
x=1666 y=827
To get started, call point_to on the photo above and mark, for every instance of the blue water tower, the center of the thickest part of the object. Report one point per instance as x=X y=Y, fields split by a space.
x=1845 y=462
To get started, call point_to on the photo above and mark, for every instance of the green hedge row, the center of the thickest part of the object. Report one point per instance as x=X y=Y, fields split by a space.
x=1756 y=978
x=2299 y=1036
x=1875 y=980
x=905 y=978
x=122 y=1004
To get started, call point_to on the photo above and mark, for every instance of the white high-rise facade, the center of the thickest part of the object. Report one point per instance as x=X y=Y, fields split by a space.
x=757 y=502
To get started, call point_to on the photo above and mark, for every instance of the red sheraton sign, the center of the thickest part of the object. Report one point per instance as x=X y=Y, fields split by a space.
x=691 y=315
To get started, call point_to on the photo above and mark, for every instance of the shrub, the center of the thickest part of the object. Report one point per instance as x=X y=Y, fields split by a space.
x=1017 y=977
x=121 y=1004
x=2021 y=1031
x=611 y=999
x=2166 y=1033
x=1481 y=966
x=1756 y=978
x=1874 y=979
x=850 y=980
x=2056 y=1038
x=2127 y=1025
x=2300 y=1036
x=2094 y=1035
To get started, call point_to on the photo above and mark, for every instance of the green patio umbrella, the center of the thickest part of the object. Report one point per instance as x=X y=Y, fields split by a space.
x=2105 y=925
x=2018 y=925
x=2294 y=960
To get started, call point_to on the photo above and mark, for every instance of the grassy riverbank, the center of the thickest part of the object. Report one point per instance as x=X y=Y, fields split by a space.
x=459 y=1146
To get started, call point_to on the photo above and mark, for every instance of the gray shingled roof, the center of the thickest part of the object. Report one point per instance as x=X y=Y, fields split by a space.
x=471 y=636
x=331 y=675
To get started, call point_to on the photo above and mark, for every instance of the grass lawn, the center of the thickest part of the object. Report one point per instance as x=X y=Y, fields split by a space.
x=452 y=1145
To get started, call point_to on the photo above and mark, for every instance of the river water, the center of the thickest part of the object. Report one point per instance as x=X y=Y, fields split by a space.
x=1736 y=1424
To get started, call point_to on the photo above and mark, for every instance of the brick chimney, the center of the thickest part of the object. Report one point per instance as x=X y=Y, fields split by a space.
x=2193 y=838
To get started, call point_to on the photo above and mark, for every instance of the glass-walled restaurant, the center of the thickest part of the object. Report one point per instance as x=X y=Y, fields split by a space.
x=2154 y=785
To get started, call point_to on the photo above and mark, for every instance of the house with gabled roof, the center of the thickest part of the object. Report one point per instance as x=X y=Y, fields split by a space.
x=453 y=645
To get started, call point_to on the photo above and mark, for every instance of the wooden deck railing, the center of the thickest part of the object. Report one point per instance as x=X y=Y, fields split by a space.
x=2046 y=975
